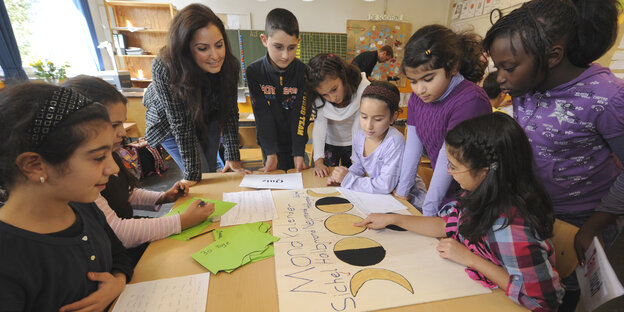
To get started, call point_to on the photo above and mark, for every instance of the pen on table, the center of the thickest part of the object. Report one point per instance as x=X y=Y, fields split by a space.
x=200 y=234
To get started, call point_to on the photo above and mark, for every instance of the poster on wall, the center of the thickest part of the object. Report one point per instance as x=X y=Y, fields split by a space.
x=371 y=35
x=324 y=263
x=468 y=9
x=479 y=7
x=457 y=7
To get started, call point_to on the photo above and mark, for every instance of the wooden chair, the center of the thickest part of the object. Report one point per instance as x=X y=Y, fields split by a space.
x=250 y=152
x=563 y=241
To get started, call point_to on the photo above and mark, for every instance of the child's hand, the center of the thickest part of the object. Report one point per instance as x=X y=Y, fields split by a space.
x=339 y=173
x=196 y=214
x=377 y=221
x=109 y=287
x=320 y=170
x=399 y=196
x=300 y=164
x=455 y=251
x=176 y=191
x=270 y=164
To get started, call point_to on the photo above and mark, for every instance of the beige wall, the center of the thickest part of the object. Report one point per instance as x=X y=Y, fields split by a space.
x=331 y=15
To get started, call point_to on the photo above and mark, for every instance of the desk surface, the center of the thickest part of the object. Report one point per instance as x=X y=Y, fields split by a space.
x=253 y=287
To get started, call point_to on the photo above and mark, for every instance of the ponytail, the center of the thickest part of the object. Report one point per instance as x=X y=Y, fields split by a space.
x=597 y=23
x=472 y=64
x=437 y=46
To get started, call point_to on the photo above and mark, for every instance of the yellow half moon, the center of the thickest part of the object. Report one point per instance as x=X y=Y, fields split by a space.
x=315 y=194
x=355 y=243
x=342 y=224
x=366 y=275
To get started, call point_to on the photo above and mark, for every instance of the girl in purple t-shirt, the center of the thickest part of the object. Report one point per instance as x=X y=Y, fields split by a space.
x=442 y=67
x=572 y=112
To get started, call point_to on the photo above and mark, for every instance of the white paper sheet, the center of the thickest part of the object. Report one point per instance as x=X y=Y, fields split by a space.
x=289 y=181
x=250 y=207
x=372 y=203
x=186 y=293
x=597 y=280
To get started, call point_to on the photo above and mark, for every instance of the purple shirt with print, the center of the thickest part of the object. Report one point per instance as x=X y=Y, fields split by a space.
x=433 y=120
x=567 y=127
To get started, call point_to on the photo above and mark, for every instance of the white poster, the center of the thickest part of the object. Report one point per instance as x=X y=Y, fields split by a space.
x=324 y=263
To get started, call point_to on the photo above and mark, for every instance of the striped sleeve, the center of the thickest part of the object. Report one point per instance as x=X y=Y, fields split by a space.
x=141 y=199
x=134 y=232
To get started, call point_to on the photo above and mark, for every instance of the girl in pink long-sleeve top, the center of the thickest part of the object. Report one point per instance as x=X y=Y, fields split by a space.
x=377 y=146
x=122 y=193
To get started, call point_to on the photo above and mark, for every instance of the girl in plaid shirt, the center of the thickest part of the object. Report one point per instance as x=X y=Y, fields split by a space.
x=500 y=226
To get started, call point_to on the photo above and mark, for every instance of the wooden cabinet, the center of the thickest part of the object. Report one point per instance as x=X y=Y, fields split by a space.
x=143 y=25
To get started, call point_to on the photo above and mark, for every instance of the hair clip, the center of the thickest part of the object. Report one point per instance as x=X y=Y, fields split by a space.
x=494 y=166
x=428 y=52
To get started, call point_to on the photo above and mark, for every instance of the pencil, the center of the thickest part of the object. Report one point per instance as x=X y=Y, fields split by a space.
x=200 y=234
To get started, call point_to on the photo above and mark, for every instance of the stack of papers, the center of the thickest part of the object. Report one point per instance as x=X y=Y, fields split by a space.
x=186 y=293
x=221 y=207
x=251 y=206
x=237 y=246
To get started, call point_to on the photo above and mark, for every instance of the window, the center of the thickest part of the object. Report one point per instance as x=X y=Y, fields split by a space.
x=55 y=31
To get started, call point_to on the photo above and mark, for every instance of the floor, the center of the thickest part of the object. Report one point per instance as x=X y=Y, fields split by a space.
x=174 y=174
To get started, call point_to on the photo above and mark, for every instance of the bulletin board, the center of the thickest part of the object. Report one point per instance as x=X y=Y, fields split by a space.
x=323 y=263
x=371 y=35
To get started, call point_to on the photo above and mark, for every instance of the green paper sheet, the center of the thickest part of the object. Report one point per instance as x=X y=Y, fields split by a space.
x=221 y=207
x=237 y=246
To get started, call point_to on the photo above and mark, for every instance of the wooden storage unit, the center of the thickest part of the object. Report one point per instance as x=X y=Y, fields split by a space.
x=151 y=27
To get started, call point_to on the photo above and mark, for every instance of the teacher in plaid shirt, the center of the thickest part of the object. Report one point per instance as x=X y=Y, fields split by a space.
x=192 y=98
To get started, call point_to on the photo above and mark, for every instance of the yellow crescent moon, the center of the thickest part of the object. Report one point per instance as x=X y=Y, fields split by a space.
x=315 y=194
x=366 y=275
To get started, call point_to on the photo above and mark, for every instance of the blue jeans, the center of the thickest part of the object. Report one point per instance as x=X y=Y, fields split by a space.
x=209 y=156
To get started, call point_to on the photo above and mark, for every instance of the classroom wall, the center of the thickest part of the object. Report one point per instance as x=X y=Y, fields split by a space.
x=316 y=16
x=479 y=24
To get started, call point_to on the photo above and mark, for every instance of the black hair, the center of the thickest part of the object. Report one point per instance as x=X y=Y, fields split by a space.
x=393 y=106
x=437 y=46
x=96 y=89
x=388 y=50
x=326 y=65
x=103 y=92
x=281 y=19
x=495 y=141
x=587 y=28
x=187 y=80
x=491 y=86
x=19 y=104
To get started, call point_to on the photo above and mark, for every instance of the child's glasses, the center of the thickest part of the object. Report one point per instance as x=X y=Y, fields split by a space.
x=452 y=170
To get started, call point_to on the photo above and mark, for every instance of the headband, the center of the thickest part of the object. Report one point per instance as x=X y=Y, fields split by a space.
x=60 y=104
x=384 y=93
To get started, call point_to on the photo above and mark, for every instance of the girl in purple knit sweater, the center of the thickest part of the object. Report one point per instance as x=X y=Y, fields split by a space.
x=442 y=67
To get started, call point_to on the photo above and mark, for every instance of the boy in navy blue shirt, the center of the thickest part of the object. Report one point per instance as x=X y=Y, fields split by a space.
x=276 y=87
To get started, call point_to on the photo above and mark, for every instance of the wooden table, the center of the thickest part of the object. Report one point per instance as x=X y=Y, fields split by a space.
x=253 y=287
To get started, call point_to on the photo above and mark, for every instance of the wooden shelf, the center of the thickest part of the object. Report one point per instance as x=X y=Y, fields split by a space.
x=152 y=21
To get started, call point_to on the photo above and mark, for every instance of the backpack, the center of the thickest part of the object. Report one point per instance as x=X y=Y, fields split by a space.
x=149 y=159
